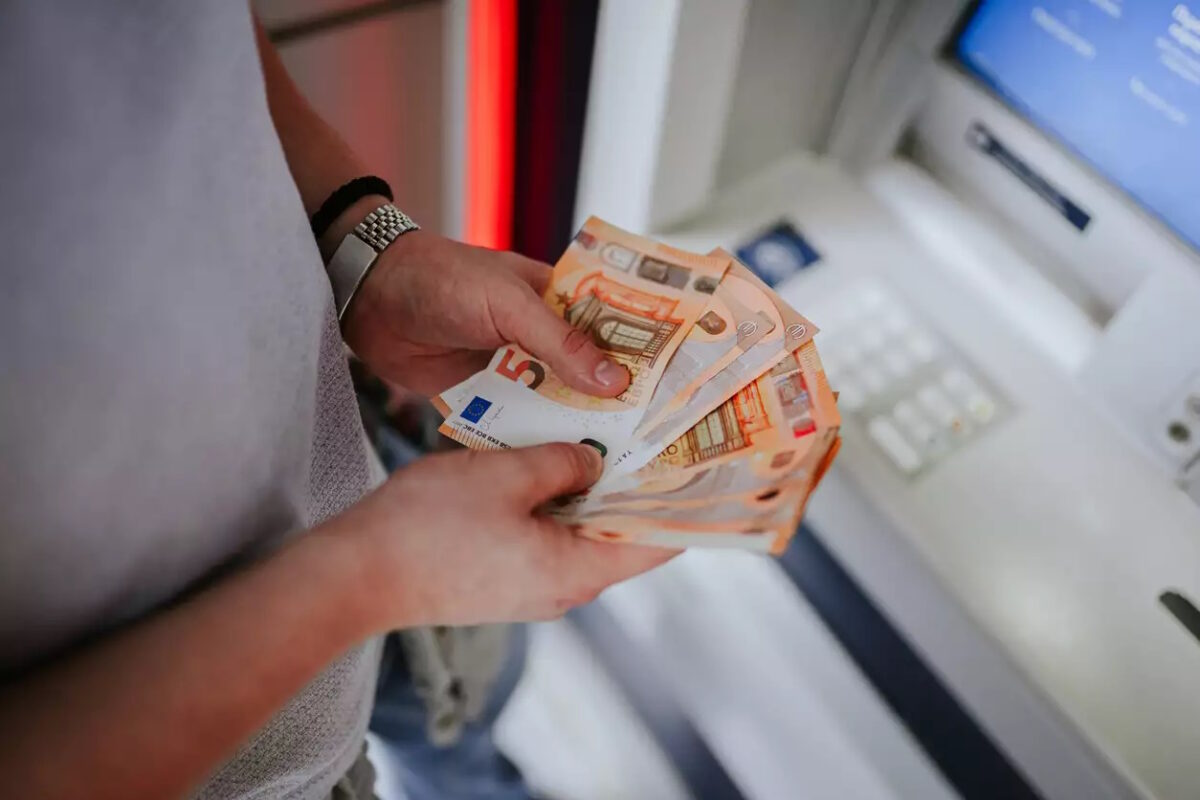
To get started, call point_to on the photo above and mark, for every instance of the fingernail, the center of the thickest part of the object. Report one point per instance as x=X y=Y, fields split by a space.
x=595 y=457
x=609 y=373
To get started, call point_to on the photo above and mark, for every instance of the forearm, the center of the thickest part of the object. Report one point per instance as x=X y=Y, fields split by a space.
x=151 y=710
x=318 y=158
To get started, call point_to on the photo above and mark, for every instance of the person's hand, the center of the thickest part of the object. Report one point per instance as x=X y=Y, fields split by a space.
x=432 y=312
x=453 y=539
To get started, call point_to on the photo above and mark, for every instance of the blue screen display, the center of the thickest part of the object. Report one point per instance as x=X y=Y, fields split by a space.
x=1117 y=81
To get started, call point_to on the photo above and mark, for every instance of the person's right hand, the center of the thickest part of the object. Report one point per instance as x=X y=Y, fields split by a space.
x=453 y=540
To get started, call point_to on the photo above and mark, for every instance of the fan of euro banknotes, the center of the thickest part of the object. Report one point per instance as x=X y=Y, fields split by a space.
x=728 y=422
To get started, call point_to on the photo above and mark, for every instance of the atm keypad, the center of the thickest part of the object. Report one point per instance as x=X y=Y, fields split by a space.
x=915 y=397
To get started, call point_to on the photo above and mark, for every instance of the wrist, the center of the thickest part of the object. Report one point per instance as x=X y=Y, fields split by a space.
x=349 y=573
x=380 y=584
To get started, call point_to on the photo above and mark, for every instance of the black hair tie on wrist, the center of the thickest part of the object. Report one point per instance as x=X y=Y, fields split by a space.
x=345 y=196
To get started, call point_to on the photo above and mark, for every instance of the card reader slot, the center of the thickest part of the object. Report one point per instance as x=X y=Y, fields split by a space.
x=1183 y=610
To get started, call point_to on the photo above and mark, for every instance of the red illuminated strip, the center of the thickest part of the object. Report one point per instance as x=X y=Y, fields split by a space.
x=491 y=121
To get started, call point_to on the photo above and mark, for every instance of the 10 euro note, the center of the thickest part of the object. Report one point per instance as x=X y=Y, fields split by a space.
x=637 y=299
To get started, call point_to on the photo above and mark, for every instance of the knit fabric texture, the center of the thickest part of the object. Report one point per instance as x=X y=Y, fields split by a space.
x=176 y=396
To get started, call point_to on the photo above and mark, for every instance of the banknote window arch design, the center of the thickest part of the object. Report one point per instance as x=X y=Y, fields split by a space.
x=625 y=336
x=749 y=410
x=634 y=326
x=797 y=403
x=729 y=428
x=725 y=430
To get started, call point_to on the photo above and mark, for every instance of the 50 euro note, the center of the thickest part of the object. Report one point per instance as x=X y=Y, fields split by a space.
x=761 y=517
x=746 y=330
x=790 y=407
x=741 y=522
x=637 y=299
x=749 y=496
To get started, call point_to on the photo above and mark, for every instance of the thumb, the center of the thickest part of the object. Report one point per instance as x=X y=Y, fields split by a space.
x=532 y=475
x=568 y=351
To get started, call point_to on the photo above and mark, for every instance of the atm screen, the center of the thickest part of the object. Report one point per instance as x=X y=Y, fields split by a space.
x=1115 y=81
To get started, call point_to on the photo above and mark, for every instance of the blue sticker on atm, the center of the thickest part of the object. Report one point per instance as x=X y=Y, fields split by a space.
x=476 y=409
x=778 y=253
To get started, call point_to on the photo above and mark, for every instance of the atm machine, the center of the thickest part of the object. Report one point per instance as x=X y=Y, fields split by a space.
x=992 y=211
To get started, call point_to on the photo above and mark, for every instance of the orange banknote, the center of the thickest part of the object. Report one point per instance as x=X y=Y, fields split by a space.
x=728 y=424
x=637 y=299
x=778 y=411
x=746 y=330
x=765 y=523
x=750 y=496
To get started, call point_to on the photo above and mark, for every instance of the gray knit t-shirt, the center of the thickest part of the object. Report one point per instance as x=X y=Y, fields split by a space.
x=174 y=397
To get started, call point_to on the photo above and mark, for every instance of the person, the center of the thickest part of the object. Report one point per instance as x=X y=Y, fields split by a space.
x=198 y=557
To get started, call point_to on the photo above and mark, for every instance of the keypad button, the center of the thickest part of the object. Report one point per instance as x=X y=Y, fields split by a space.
x=959 y=384
x=907 y=414
x=960 y=427
x=937 y=405
x=898 y=363
x=917 y=429
x=874 y=380
x=981 y=407
x=936 y=444
x=923 y=348
x=893 y=444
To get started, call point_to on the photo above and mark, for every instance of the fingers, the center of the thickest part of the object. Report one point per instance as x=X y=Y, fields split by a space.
x=578 y=569
x=534 y=273
x=532 y=475
x=607 y=563
x=434 y=373
x=589 y=567
x=568 y=351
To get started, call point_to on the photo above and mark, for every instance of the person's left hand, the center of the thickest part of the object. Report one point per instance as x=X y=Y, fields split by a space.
x=432 y=312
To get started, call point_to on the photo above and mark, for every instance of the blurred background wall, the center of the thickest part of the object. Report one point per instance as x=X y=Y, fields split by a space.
x=472 y=109
x=375 y=71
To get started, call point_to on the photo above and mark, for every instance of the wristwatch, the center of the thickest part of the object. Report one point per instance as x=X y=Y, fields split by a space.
x=360 y=249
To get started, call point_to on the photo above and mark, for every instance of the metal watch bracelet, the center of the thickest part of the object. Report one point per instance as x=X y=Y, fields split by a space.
x=359 y=251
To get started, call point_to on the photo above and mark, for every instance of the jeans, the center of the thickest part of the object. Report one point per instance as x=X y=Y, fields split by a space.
x=472 y=768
